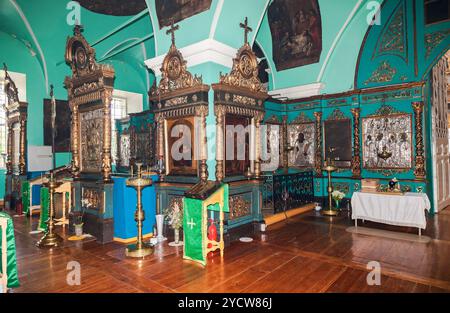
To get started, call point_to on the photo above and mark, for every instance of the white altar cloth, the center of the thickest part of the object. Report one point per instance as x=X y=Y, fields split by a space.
x=400 y=210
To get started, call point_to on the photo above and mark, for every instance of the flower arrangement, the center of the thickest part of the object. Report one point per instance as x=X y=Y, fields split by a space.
x=174 y=216
x=337 y=195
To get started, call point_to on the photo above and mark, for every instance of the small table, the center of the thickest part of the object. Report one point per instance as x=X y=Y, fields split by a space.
x=401 y=210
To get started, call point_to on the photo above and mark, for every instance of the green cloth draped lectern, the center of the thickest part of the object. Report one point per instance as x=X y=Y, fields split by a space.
x=12 y=278
x=202 y=197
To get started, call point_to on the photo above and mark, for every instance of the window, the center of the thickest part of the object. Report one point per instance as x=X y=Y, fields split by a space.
x=3 y=126
x=118 y=111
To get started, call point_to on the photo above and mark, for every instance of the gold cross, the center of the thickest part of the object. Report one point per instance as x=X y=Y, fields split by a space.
x=246 y=28
x=172 y=30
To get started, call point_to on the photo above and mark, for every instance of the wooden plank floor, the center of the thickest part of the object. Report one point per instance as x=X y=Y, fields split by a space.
x=308 y=253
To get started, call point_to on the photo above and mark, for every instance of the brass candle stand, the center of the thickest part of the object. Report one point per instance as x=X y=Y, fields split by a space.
x=140 y=249
x=330 y=168
x=50 y=238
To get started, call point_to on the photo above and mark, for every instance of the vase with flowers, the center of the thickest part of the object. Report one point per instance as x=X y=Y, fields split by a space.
x=174 y=217
x=337 y=197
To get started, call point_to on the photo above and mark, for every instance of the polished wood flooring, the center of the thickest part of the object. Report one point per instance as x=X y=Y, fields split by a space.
x=308 y=253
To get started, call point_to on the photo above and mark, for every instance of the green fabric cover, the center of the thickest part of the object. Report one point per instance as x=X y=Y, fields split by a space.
x=45 y=200
x=11 y=268
x=26 y=197
x=193 y=226
x=192 y=230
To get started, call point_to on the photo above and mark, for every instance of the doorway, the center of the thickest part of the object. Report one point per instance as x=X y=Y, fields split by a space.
x=440 y=120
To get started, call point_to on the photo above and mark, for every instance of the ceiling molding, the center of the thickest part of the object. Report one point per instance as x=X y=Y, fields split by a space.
x=297 y=92
x=337 y=38
x=208 y=50
x=36 y=42
x=216 y=17
x=255 y=33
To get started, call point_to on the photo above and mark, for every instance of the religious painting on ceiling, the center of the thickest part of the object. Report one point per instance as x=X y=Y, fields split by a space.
x=114 y=7
x=179 y=10
x=180 y=134
x=387 y=142
x=62 y=134
x=436 y=11
x=91 y=135
x=237 y=145
x=338 y=141
x=296 y=28
x=301 y=138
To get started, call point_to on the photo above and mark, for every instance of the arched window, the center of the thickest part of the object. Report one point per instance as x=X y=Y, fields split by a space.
x=118 y=111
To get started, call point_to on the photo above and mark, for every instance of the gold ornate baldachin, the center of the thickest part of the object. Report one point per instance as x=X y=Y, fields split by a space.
x=244 y=73
x=174 y=73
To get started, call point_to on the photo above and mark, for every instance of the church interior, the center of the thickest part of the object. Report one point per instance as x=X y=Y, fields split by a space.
x=225 y=146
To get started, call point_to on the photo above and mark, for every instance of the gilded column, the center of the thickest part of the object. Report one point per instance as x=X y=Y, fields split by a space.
x=160 y=138
x=106 y=163
x=258 y=146
x=23 y=147
x=75 y=141
x=220 y=114
x=318 y=158
x=203 y=145
x=284 y=144
x=9 y=156
x=356 y=161
x=419 y=170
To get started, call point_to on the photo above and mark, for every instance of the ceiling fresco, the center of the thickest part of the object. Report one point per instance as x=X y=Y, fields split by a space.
x=114 y=7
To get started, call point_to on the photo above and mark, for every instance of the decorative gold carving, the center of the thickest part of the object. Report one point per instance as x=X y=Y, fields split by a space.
x=284 y=141
x=244 y=72
x=16 y=114
x=91 y=83
x=419 y=170
x=318 y=158
x=239 y=207
x=273 y=119
x=220 y=116
x=174 y=70
x=356 y=162
x=91 y=140
x=383 y=74
x=301 y=119
x=337 y=115
x=92 y=198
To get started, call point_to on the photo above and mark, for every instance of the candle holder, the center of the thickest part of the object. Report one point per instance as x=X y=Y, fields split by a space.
x=329 y=168
x=50 y=238
x=140 y=249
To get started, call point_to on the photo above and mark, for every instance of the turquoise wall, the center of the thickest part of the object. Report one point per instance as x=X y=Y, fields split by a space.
x=391 y=55
x=51 y=32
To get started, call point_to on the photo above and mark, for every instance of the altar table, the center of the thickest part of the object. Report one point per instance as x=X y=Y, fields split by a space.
x=401 y=210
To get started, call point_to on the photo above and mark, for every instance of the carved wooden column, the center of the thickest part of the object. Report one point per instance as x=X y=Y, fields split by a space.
x=160 y=137
x=284 y=144
x=106 y=158
x=23 y=147
x=318 y=158
x=9 y=149
x=75 y=141
x=356 y=162
x=202 y=111
x=258 y=146
x=220 y=116
x=419 y=170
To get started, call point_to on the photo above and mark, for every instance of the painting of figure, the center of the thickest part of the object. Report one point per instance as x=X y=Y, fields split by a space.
x=63 y=118
x=391 y=135
x=301 y=138
x=179 y=10
x=296 y=29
